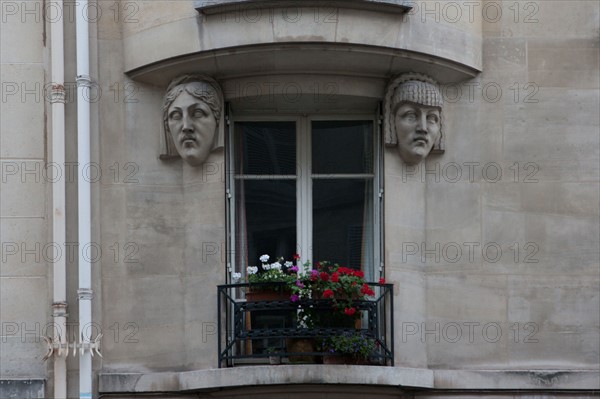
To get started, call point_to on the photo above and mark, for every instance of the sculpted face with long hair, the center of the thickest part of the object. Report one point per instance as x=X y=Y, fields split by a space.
x=192 y=109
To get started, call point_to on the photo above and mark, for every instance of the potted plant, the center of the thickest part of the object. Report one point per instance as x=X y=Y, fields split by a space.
x=341 y=286
x=348 y=348
x=274 y=356
x=272 y=280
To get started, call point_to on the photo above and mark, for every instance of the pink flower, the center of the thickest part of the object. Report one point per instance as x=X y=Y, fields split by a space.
x=294 y=298
x=314 y=275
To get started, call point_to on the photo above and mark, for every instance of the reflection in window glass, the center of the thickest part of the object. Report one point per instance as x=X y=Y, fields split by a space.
x=265 y=219
x=342 y=147
x=343 y=222
x=265 y=148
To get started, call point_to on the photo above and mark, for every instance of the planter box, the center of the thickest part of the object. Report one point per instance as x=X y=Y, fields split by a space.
x=344 y=359
x=267 y=295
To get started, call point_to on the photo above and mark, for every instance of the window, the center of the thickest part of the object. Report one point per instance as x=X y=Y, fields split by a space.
x=306 y=185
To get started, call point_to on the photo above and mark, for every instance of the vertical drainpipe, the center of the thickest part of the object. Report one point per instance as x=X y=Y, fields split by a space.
x=84 y=292
x=59 y=295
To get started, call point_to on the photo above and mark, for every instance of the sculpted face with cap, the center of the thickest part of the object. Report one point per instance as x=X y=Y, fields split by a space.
x=415 y=119
x=191 y=112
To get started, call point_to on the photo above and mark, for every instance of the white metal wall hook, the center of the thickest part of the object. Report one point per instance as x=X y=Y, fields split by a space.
x=49 y=347
x=62 y=348
x=97 y=344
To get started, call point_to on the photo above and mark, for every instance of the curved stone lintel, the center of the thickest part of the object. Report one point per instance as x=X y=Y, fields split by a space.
x=294 y=58
x=208 y=8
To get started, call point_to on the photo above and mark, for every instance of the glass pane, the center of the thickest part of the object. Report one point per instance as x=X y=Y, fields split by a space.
x=265 y=148
x=342 y=147
x=343 y=222
x=265 y=220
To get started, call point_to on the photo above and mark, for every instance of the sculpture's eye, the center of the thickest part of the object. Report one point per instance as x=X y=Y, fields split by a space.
x=410 y=116
x=432 y=118
x=176 y=115
x=199 y=113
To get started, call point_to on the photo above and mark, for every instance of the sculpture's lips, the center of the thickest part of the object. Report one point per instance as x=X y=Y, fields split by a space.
x=188 y=140
x=421 y=140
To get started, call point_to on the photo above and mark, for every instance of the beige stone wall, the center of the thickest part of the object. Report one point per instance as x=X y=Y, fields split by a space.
x=531 y=114
x=25 y=220
x=167 y=218
x=534 y=230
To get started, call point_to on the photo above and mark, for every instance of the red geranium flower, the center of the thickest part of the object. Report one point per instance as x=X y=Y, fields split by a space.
x=359 y=274
x=350 y=311
x=366 y=290
x=324 y=276
x=335 y=277
x=296 y=256
x=382 y=281
x=327 y=294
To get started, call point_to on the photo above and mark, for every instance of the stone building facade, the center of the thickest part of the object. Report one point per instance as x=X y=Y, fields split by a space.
x=491 y=242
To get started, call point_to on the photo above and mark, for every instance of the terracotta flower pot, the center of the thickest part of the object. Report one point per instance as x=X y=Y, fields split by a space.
x=267 y=295
x=301 y=345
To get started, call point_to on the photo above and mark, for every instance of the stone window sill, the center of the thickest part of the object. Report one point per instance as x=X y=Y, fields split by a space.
x=235 y=377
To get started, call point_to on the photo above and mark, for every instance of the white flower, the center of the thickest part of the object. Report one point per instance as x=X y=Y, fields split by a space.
x=276 y=266
x=288 y=264
x=235 y=277
x=264 y=258
x=266 y=266
x=252 y=269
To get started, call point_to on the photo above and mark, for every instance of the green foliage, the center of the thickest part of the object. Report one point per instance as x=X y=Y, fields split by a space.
x=356 y=345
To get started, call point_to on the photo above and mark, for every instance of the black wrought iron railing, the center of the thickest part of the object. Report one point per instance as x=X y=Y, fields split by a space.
x=254 y=329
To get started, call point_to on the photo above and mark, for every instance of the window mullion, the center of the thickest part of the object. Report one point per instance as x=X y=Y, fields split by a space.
x=309 y=186
x=377 y=201
x=231 y=198
x=304 y=208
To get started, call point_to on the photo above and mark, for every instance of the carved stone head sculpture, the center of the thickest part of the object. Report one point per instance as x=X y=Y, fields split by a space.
x=192 y=112
x=413 y=116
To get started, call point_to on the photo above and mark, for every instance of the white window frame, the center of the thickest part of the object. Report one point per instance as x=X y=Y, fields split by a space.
x=304 y=211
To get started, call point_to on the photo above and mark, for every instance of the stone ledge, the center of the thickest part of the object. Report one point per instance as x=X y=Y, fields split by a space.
x=22 y=388
x=517 y=379
x=265 y=375
x=253 y=376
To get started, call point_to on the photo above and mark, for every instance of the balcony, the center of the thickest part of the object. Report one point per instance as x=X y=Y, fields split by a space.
x=253 y=330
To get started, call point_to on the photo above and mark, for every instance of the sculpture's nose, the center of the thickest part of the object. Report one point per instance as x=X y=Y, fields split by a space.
x=422 y=123
x=188 y=127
